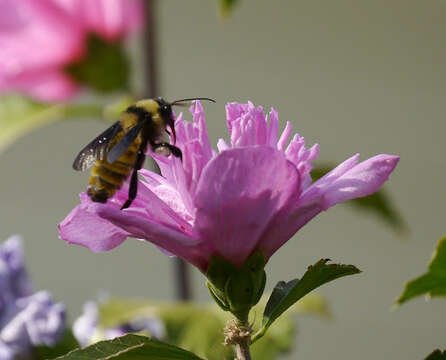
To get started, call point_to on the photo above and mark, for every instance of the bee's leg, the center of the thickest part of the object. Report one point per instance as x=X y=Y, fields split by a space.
x=167 y=149
x=133 y=188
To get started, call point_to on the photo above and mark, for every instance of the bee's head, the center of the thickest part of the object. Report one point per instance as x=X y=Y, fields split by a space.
x=165 y=110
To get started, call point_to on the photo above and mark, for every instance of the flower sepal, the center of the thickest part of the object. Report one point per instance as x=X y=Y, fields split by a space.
x=237 y=289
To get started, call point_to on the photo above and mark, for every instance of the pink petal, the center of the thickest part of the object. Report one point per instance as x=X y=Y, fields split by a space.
x=362 y=180
x=283 y=140
x=285 y=225
x=336 y=173
x=238 y=196
x=84 y=227
x=165 y=237
x=160 y=204
x=48 y=37
x=347 y=181
x=273 y=128
x=45 y=85
x=200 y=124
x=112 y=18
x=222 y=145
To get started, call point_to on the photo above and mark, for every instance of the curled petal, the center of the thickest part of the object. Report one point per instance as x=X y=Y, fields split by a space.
x=283 y=140
x=84 y=227
x=273 y=127
x=238 y=196
x=347 y=182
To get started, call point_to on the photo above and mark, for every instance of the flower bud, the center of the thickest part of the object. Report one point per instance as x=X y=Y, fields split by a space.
x=237 y=289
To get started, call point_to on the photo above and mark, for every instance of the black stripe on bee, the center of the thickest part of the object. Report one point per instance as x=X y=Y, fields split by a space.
x=139 y=111
x=104 y=171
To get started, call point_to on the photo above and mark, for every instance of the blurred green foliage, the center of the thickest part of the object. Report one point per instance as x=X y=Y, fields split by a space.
x=433 y=282
x=199 y=328
x=20 y=115
x=226 y=7
x=106 y=67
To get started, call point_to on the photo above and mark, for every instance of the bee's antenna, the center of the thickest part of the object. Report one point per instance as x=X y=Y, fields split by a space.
x=179 y=102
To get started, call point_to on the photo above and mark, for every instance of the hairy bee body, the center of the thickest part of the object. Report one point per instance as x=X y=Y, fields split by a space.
x=106 y=178
x=119 y=152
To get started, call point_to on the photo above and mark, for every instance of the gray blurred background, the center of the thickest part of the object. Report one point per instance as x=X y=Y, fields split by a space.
x=353 y=76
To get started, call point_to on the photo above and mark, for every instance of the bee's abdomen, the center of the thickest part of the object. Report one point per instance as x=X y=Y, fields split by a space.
x=107 y=178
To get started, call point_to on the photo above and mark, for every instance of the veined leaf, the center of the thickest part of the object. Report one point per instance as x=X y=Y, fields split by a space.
x=130 y=347
x=286 y=294
x=433 y=282
x=20 y=115
x=378 y=203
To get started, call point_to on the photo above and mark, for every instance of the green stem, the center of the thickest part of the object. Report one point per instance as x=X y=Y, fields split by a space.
x=242 y=349
x=259 y=334
x=242 y=343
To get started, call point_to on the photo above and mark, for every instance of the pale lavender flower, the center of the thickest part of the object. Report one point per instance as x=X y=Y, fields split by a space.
x=33 y=320
x=14 y=280
x=87 y=329
x=26 y=319
x=252 y=195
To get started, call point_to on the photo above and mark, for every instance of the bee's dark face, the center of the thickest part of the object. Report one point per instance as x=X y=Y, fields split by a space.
x=166 y=114
x=165 y=109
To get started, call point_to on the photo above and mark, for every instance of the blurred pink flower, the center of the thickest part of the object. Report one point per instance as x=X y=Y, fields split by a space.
x=252 y=195
x=39 y=38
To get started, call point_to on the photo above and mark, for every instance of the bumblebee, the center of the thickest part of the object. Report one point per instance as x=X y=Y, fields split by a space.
x=120 y=149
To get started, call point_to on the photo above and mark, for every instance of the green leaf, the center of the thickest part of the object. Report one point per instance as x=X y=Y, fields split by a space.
x=65 y=345
x=106 y=67
x=285 y=294
x=432 y=283
x=130 y=347
x=437 y=355
x=226 y=6
x=20 y=115
x=378 y=203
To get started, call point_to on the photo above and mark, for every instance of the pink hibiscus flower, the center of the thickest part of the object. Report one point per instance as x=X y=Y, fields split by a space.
x=39 y=38
x=252 y=195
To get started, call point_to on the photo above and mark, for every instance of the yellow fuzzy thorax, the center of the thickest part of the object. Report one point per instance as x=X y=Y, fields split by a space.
x=153 y=108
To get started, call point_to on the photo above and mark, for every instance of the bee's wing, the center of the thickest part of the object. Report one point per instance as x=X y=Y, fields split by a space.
x=96 y=149
x=119 y=149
